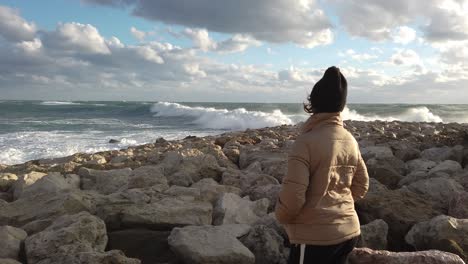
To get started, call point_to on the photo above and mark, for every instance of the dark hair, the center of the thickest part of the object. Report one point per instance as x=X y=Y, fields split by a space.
x=329 y=93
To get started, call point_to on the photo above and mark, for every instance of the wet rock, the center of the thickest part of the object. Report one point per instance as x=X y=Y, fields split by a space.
x=219 y=244
x=10 y=241
x=232 y=209
x=114 y=141
x=366 y=255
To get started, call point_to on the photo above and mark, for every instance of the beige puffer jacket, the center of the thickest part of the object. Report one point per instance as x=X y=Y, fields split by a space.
x=326 y=174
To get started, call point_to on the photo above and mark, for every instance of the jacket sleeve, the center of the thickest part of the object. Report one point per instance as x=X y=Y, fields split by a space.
x=293 y=191
x=360 y=183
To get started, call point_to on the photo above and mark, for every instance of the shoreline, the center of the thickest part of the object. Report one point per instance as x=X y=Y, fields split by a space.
x=224 y=187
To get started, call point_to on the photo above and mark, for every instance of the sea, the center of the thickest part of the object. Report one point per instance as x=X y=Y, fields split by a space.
x=47 y=129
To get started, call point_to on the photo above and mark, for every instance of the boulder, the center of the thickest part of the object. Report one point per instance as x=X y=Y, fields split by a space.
x=6 y=181
x=219 y=244
x=147 y=176
x=384 y=173
x=210 y=190
x=406 y=153
x=421 y=175
x=440 y=190
x=458 y=205
x=104 y=181
x=24 y=181
x=366 y=256
x=379 y=152
x=420 y=165
x=68 y=235
x=271 y=159
x=266 y=244
x=120 y=159
x=9 y=261
x=10 y=241
x=111 y=257
x=269 y=191
x=400 y=209
x=443 y=153
x=374 y=235
x=247 y=179
x=149 y=246
x=441 y=232
x=44 y=206
x=448 y=166
x=232 y=209
x=96 y=159
x=270 y=221
x=52 y=183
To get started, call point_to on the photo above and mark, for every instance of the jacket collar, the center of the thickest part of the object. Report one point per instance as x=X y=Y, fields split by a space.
x=319 y=119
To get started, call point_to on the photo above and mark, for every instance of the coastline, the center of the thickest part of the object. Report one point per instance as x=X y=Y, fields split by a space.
x=202 y=185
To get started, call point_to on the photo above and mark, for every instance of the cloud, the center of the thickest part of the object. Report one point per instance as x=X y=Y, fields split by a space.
x=76 y=37
x=298 y=21
x=404 y=35
x=13 y=27
x=140 y=35
x=350 y=53
x=202 y=41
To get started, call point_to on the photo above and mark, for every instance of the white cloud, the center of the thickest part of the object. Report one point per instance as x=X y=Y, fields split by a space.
x=350 y=53
x=406 y=57
x=33 y=46
x=202 y=41
x=200 y=38
x=13 y=27
x=298 y=21
x=404 y=35
x=76 y=37
x=140 y=35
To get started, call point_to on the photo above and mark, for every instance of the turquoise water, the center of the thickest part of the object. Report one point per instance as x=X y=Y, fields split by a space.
x=44 y=129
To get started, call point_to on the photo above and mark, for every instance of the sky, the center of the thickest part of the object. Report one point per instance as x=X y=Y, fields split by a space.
x=233 y=51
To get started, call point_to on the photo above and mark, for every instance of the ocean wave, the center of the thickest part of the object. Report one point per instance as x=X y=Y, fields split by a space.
x=208 y=117
x=51 y=103
x=413 y=114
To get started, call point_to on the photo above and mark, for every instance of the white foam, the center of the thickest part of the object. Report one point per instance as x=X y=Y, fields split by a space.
x=414 y=114
x=213 y=118
x=51 y=103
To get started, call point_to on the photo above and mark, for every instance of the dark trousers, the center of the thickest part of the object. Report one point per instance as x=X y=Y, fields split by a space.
x=333 y=254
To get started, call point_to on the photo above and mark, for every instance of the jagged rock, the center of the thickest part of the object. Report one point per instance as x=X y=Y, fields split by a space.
x=68 y=235
x=270 y=221
x=10 y=241
x=272 y=160
x=96 y=159
x=9 y=261
x=406 y=153
x=421 y=175
x=447 y=166
x=52 y=183
x=420 y=165
x=232 y=209
x=400 y=209
x=114 y=141
x=44 y=206
x=6 y=181
x=149 y=246
x=147 y=176
x=37 y=226
x=440 y=190
x=104 y=181
x=458 y=206
x=266 y=244
x=374 y=235
x=366 y=256
x=210 y=190
x=379 y=152
x=120 y=159
x=441 y=232
x=24 y=181
x=384 y=173
x=246 y=180
x=219 y=244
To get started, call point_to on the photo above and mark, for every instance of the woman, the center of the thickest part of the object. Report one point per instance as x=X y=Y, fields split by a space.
x=326 y=174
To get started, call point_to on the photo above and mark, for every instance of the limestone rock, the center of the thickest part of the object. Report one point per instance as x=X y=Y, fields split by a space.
x=52 y=183
x=374 y=235
x=9 y=261
x=210 y=190
x=7 y=180
x=68 y=235
x=267 y=245
x=439 y=190
x=232 y=209
x=10 y=241
x=104 y=181
x=111 y=257
x=458 y=206
x=384 y=173
x=24 y=181
x=441 y=232
x=217 y=246
x=147 y=176
x=269 y=191
x=366 y=256
x=247 y=179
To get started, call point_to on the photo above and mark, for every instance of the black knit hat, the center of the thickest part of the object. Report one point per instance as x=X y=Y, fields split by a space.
x=329 y=93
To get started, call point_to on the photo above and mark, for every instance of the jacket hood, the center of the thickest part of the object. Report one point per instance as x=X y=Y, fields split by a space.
x=321 y=118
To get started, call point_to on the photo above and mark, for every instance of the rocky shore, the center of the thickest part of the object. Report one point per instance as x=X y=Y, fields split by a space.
x=210 y=200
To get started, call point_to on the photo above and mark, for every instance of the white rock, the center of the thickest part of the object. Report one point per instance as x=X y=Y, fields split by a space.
x=232 y=209
x=53 y=182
